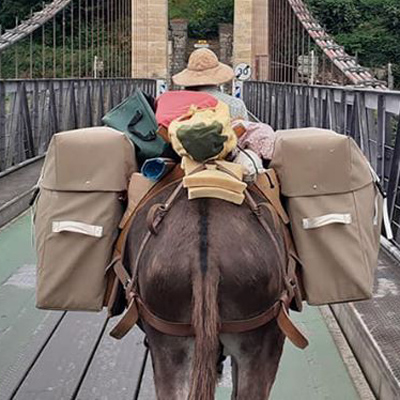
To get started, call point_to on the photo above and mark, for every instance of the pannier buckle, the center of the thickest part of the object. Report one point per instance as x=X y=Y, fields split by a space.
x=127 y=283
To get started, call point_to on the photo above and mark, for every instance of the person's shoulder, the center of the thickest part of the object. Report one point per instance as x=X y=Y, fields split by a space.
x=239 y=105
x=233 y=100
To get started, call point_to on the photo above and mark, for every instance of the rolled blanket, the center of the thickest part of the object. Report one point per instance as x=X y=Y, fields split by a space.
x=156 y=168
x=258 y=137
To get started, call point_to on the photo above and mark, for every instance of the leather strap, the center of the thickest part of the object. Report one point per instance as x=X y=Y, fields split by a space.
x=250 y=324
x=137 y=308
x=268 y=185
x=256 y=210
x=278 y=310
x=127 y=322
x=112 y=280
x=290 y=329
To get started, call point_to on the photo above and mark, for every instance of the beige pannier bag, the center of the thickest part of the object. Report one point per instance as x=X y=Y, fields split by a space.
x=77 y=212
x=335 y=209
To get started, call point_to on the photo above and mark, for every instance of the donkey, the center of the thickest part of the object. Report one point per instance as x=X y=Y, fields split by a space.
x=210 y=261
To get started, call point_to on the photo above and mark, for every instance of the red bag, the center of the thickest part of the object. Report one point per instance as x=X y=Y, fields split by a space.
x=174 y=104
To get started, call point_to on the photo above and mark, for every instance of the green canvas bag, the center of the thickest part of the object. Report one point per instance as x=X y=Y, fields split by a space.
x=136 y=119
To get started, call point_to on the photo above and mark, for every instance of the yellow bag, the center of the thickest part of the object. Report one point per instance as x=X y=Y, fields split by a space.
x=204 y=134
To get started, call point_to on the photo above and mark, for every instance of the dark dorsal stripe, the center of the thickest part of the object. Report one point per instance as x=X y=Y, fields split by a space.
x=203 y=233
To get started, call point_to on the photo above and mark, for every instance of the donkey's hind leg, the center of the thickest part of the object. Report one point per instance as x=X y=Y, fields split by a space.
x=172 y=364
x=256 y=356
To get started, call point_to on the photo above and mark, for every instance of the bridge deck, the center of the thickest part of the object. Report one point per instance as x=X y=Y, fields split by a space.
x=56 y=355
x=17 y=189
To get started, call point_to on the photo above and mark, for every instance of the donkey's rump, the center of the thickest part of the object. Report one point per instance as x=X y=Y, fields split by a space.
x=210 y=234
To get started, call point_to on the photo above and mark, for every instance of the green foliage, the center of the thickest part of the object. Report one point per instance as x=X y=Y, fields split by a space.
x=10 y=9
x=336 y=15
x=57 y=62
x=203 y=15
x=368 y=28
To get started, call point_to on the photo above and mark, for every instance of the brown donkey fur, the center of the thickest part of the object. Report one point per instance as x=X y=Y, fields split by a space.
x=210 y=261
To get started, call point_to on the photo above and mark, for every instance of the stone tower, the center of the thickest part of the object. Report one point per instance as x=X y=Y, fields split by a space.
x=250 y=43
x=150 y=37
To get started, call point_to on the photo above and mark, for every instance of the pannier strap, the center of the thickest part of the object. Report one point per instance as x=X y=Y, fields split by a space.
x=328 y=219
x=77 y=227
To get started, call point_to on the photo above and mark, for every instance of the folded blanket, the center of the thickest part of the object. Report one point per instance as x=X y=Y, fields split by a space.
x=216 y=179
x=216 y=193
x=207 y=181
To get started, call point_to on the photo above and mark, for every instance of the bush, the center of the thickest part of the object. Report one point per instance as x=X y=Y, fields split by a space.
x=368 y=28
x=203 y=15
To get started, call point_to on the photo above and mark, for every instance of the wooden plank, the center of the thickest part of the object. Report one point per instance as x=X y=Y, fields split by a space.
x=116 y=369
x=62 y=364
x=24 y=341
x=147 y=388
x=24 y=330
x=15 y=245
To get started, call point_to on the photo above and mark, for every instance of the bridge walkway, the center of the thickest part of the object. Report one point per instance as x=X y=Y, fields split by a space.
x=16 y=188
x=49 y=355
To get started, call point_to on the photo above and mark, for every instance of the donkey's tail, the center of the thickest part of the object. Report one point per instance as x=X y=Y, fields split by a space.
x=205 y=320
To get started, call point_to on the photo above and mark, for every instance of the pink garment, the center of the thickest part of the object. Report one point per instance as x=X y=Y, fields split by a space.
x=259 y=138
x=174 y=104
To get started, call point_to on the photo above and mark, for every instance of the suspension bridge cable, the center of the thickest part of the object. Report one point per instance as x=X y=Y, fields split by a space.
x=36 y=21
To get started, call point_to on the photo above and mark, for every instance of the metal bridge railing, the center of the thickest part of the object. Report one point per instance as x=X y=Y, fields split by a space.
x=31 y=111
x=371 y=117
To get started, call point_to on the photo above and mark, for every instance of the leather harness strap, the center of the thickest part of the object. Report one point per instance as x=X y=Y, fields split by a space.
x=137 y=309
x=112 y=286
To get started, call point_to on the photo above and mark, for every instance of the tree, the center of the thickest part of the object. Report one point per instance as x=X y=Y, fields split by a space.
x=203 y=15
x=368 y=28
x=10 y=9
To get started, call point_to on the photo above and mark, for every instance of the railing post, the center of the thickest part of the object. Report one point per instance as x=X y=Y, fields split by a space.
x=2 y=126
x=29 y=145
x=381 y=135
x=394 y=174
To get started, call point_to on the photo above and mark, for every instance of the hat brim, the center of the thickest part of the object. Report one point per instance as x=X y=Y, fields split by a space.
x=213 y=76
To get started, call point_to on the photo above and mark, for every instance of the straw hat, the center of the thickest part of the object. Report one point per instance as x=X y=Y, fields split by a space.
x=204 y=69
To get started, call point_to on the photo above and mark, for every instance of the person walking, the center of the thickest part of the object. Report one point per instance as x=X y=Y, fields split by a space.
x=205 y=73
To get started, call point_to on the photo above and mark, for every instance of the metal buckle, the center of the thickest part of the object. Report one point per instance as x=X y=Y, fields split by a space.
x=291 y=286
x=127 y=283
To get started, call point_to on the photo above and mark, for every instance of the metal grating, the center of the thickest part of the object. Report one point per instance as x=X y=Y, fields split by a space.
x=381 y=315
